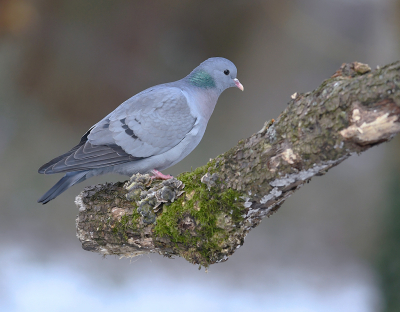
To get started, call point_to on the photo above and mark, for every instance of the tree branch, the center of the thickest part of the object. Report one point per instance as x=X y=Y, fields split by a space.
x=205 y=215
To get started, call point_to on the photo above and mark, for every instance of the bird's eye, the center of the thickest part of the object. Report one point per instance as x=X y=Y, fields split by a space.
x=226 y=72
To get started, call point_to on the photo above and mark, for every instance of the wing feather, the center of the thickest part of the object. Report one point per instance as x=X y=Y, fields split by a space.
x=150 y=123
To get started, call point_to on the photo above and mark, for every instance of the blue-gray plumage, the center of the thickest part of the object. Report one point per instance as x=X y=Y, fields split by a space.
x=151 y=131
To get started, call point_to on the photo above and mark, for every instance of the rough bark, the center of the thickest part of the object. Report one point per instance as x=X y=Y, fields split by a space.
x=206 y=217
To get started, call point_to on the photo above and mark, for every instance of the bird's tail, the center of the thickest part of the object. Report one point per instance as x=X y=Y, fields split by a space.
x=71 y=178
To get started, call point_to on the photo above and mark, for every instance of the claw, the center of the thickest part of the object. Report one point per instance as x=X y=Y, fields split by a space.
x=159 y=175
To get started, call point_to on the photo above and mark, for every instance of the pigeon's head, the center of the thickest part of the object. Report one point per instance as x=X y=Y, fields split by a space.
x=216 y=72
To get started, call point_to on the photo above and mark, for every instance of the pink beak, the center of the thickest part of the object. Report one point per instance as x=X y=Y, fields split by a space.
x=238 y=84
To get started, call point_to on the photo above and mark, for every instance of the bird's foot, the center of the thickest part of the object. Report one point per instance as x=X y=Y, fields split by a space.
x=160 y=176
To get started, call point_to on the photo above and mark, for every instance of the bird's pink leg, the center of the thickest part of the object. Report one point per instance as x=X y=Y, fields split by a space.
x=159 y=175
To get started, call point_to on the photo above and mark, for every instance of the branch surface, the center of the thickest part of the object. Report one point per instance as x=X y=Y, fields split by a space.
x=204 y=215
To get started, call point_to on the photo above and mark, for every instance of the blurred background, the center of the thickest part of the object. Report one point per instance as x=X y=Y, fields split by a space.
x=65 y=64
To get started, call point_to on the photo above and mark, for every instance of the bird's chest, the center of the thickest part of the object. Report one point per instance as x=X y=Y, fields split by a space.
x=201 y=104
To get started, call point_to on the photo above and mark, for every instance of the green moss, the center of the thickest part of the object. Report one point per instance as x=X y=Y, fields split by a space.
x=202 y=242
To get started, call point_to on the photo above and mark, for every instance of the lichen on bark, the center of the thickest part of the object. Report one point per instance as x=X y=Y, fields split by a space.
x=200 y=226
x=350 y=112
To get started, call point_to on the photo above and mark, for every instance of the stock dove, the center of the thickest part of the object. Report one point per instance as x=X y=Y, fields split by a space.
x=151 y=131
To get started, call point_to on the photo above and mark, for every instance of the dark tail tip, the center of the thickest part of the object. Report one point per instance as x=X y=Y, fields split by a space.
x=71 y=178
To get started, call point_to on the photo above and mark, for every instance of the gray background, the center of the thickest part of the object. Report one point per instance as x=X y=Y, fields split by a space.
x=65 y=64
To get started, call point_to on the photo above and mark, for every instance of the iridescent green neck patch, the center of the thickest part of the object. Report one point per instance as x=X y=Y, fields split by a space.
x=202 y=79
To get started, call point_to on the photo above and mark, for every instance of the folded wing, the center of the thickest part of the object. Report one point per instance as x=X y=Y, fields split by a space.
x=148 y=124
